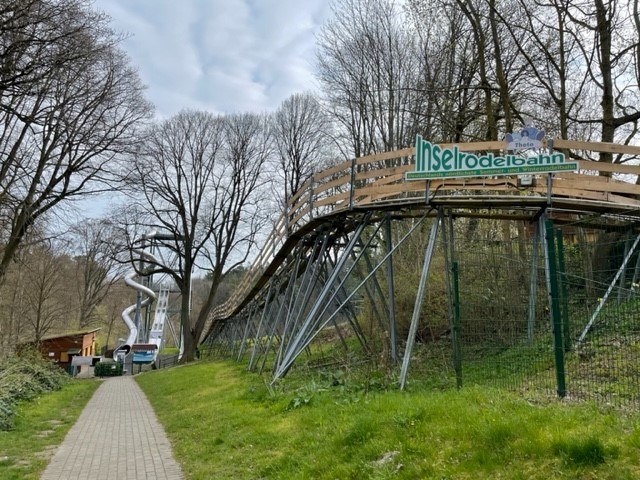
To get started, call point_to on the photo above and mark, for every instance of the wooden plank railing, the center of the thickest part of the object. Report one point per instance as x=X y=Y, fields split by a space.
x=379 y=178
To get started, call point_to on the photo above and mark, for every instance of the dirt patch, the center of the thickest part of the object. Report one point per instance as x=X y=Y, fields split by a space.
x=47 y=453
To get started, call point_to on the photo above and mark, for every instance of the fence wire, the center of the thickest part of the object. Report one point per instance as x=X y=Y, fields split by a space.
x=506 y=335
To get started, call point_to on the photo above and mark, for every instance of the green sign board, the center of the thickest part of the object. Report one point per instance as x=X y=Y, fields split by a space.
x=434 y=161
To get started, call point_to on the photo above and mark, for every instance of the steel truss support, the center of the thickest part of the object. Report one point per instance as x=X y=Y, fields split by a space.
x=290 y=300
x=247 y=327
x=419 y=300
x=348 y=310
x=312 y=329
x=320 y=306
x=272 y=332
x=314 y=289
x=390 y=289
x=378 y=290
x=622 y=268
x=257 y=341
x=216 y=331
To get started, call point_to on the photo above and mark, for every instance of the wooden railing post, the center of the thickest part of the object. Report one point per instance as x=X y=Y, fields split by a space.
x=287 y=229
x=311 y=196
x=352 y=186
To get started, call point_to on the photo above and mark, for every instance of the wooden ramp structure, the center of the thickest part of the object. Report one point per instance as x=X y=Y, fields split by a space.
x=301 y=281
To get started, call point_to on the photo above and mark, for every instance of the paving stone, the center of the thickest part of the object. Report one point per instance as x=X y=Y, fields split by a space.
x=116 y=436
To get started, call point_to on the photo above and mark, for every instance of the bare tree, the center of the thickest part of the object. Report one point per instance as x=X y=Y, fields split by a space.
x=449 y=104
x=96 y=267
x=542 y=35
x=300 y=136
x=47 y=301
x=199 y=176
x=367 y=66
x=11 y=308
x=608 y=41
x=69 y=105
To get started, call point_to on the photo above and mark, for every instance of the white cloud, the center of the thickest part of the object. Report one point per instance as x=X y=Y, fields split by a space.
x=220 y=55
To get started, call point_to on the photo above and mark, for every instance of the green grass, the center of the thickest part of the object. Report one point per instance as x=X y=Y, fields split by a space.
x=40 y=425
x=170 y=351
x=225 y=423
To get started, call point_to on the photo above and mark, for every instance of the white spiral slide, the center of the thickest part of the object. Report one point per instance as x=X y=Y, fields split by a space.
x=150 y=296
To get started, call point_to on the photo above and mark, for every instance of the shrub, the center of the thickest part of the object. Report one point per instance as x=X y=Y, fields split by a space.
x=108 y=369
x=23 y=378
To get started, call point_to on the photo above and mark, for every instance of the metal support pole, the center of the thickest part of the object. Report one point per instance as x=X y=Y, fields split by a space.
x=419 y=299
x=533 y=284
x=558 y=346
x=545 y=249
x=455 y=331
x=564 y=293
x=252 y=311
x=258 y=337
x=634 y=279
x=390 y=289
x=452 y=295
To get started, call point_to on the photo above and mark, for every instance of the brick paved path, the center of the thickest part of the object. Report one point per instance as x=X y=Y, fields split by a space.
x=116 y=437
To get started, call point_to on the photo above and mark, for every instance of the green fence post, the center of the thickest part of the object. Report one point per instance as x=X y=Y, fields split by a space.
x=558 y=347
x=457 y=353
x=564 y=293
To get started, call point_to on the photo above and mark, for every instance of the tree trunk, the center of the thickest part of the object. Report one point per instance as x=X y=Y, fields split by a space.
x=603 y=33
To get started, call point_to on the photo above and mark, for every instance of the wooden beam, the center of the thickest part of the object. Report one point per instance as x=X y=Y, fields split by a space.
x=331 y=171
x=609 y=167
x=596 y=146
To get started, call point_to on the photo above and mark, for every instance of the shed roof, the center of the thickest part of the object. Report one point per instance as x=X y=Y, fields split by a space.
x=71 y=334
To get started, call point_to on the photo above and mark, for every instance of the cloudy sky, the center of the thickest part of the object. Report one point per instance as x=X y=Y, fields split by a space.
x=220 y=55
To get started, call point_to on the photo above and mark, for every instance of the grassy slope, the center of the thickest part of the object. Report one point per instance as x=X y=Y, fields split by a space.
x=227 y=424
x=40 y=426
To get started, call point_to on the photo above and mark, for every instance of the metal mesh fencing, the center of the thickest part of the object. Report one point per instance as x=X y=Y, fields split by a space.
x=506 y=334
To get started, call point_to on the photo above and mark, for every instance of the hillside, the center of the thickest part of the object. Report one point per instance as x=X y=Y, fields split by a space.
x=225 y=423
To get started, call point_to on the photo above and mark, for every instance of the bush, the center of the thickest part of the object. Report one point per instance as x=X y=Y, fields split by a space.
x=108 y=369
x=23 y=378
